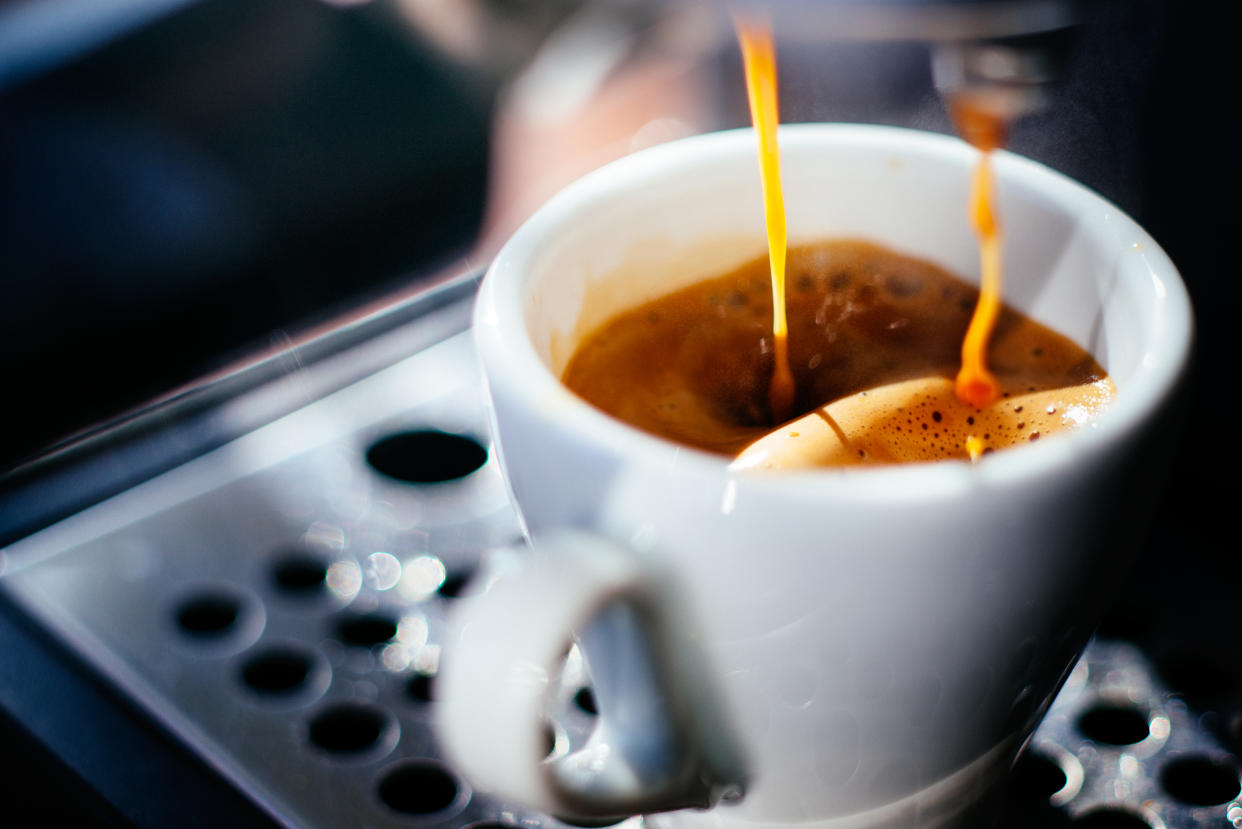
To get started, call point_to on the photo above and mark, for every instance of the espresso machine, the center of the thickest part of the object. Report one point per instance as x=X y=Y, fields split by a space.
x=246 y=470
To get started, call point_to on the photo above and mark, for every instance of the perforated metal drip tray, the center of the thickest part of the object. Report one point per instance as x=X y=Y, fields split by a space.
x=280 y=604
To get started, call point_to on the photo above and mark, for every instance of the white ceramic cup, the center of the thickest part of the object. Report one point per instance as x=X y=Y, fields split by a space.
x=829 y=648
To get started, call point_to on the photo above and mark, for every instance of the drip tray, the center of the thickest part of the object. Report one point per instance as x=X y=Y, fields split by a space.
x=280 y=603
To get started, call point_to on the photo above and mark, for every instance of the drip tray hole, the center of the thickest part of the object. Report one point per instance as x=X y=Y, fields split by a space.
x=455 y=585
x=1115 y=724
x=276 y=671
x=421 y=688
x=1037 y=777
x=300 y=575
x=208 y=614
x=426 y=456
x=1200 y=781
x=366 y=630
x=418 y=787
x=347 y=728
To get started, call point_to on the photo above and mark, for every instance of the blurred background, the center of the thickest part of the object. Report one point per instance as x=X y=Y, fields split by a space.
x=187 y=187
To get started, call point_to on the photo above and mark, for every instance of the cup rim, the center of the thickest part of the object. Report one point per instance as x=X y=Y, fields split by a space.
x=502 y=335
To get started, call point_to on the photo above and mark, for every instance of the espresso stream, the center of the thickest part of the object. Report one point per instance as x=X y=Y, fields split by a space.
x=874 y=345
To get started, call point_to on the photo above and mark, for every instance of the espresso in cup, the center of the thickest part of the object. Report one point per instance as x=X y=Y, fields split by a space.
x=874 y=345
x=864 y=648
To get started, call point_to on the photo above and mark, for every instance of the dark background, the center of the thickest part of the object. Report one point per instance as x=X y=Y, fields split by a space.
x=210 y=185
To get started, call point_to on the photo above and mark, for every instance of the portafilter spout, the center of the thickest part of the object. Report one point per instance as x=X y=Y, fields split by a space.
x=1005 y=55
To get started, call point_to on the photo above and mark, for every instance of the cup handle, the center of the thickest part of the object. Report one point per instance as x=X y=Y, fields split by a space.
x=662 y=741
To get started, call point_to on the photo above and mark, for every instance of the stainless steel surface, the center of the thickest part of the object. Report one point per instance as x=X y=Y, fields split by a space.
x=280 y=605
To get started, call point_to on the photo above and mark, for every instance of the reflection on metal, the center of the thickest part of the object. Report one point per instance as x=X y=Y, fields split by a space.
x=422 y=577
x=344 y=578
x=383 y=571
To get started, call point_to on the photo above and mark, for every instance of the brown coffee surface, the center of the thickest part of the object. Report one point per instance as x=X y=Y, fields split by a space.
x=874 y=344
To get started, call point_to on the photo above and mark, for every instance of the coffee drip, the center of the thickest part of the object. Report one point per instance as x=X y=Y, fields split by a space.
x=986 y=132
x=759 y=60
